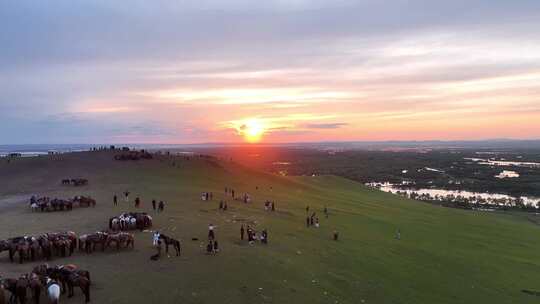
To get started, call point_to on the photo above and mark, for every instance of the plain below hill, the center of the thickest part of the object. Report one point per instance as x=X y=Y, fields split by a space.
x=444 y=255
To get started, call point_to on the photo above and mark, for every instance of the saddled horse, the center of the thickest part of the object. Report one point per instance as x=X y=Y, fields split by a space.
x=120 y=238
x=72 y=278
x=20 y=289
x=35 y=286
x=88 y=242
x=85 y=201
x=170 y=241
x=11 y=286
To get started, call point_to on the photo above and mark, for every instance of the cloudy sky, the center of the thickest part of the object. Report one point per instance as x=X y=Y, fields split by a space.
x=274 y=71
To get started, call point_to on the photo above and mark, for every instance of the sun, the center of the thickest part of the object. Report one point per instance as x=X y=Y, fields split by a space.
x=252 y=130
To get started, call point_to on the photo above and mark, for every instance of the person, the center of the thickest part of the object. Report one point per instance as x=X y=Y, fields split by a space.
x=311 y=221
x=137 y=202
x=336 y=235
x=242 y=232
x=211 y=234
x=316 y=222
x=210 y=247
x=216 y=247
x=307 y=221
x=307 y=209
x=398 y=235
x=325 y=212
x=221 y=205
x=161 y=206
x=155 y=238
x=156 y=256
x=126 y=196
x=250 y=235
x=264 y=237
x=273 y=206
x=225 y=206
x=115 y=200
x=154 y=205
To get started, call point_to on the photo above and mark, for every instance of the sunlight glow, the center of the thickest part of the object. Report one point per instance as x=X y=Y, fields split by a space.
x=252 y=130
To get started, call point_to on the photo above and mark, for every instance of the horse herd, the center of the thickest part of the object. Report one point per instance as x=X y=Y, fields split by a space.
x=62 y=244
x=51 y=280
x=75 y=181
x=130 y=221
x=47 y=204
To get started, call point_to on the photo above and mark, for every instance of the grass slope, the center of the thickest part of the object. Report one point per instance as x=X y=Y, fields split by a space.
x=444 y=256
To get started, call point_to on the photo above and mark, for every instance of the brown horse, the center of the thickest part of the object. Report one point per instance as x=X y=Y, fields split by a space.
x=67 y=276
x=88 y=242
x=23 y=249
x=121 y=238
x=170 y=241
x=20 y=289
x=11 y=286
x=35 y=286
x=76 y=280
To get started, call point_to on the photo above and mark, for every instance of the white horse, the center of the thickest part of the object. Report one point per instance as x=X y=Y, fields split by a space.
x=34 y=207
x=133 y=223
x=53 y=291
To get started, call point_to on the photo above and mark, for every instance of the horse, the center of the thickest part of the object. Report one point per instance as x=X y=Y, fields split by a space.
x=170 y=241
x=121 y=238
x=53 y=291
x=72 y=279
x=35 y=287
x=20 y=288
x=88 y=241
x=46 y=248
x=23 y=249
x=11 y=286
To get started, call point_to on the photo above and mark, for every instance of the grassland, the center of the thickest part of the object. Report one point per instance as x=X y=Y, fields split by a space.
x=444 y=255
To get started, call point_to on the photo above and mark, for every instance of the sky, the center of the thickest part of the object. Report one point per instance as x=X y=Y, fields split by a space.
x=268 y=71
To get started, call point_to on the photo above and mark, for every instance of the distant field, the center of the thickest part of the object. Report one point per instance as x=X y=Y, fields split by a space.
x=444 y=256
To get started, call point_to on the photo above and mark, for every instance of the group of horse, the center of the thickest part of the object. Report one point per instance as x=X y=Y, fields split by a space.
x=30 y=248
x=134 y=155
x=130 y=221
x=75 y=181
x=53 y=281
x=104 y=239
x=47 y=204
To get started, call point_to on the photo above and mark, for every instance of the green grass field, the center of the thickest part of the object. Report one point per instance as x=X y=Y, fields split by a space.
x=444 y=255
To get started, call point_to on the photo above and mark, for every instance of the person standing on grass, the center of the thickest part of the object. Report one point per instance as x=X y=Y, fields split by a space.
x=336 y=235
x=398 y=235
x=126 y=196
x=161 y=206
x=211 y=235
x=115 y=200
x=137 y=202
x=273 y=206
x=155 y=238
x=264 y=237
x=307 y=221
x=242 y=231
x=325 y=212
x=154 y=205
x=216 y=247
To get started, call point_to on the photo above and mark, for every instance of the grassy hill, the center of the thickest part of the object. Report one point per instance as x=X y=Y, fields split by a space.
x=444 y=255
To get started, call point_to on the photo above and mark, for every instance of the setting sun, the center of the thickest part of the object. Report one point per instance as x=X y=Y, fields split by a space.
x=252 y=130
